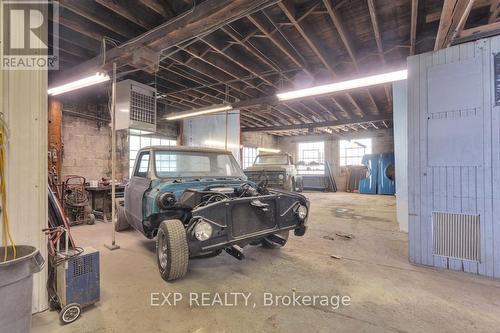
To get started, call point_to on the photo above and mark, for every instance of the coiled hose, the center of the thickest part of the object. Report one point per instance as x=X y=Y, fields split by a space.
x=6 y=235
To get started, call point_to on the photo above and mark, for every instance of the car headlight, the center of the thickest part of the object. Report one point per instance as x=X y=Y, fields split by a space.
x=301 y=212
x=202 y=230
x=280 y=176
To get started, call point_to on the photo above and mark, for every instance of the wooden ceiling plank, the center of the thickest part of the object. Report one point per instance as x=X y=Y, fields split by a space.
x=453 y=17
x=287 y=8
x=339 y=26
x=119 y=8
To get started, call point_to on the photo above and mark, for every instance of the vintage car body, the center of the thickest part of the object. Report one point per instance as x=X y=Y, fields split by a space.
x=277 y=170
x=230 y=211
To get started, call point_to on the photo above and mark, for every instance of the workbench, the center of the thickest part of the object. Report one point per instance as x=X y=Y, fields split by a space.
x=100 y=199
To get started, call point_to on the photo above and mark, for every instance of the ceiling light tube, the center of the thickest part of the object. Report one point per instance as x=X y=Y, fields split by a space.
x=268 y=150
x=85 y=82
x=199 y=112
x=344 y=85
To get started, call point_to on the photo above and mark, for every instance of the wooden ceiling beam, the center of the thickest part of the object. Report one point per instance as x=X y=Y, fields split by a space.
x=217 y=64
x=343 y=122
x=287 y=50
x=90 y=12
x=413 y=25
x=452 y=21
x=380 y=47
x=161 y=7
x=206 y=16
x=494 y=11
x=339 y=26
x=287 y=7
x=478 y=32
x=120 y=8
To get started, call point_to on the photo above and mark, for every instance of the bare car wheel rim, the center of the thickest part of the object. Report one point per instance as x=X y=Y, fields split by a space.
x=71 y=313
x=162 y=249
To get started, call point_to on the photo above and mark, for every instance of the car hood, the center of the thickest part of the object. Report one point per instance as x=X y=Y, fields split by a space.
x=178 y=187
x=265 y=168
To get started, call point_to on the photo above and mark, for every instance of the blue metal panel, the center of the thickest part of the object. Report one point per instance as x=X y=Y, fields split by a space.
x=386 y=175
x=82 y=279
x=368 y=185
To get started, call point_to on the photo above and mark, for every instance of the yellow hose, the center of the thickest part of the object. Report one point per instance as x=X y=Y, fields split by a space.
x=6 y=235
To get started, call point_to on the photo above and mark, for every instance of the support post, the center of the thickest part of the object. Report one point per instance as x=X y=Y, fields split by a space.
x=113 y=245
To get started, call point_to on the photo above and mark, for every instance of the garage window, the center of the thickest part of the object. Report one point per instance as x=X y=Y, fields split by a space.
x=137 y=142
x=249 y=155
x=351 y=152
x=311 y=158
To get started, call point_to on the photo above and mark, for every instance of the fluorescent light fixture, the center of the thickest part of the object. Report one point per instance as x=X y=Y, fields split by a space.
x=268 y=150
x=85 y=82
x=199 y=112
x=221 y=144
x=345 y=85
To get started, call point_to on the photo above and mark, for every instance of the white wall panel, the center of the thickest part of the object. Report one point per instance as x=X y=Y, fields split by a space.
x=23 y=101
x=454 y=154
x=400 y=113
x=210 y=131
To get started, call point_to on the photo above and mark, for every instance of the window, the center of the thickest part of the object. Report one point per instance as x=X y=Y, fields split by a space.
x=136 y=142
x=281 y=159
x=142 y=168
x=196 y=164
x=311 y=159
x=352 y=152
x=249 y=155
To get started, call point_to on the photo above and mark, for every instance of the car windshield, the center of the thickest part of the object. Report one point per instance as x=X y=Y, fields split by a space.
x=271 y=159
x=194 y=164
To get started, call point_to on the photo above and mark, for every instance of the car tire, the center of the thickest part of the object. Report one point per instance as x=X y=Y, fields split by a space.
x=121 y=222
x=299 y=186
x=268 y=244
x=172 y=251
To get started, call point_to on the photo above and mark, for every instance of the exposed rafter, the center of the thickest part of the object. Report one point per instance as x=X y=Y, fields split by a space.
x=452 y=21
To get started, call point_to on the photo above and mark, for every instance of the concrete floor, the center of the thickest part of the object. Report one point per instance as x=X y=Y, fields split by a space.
x=387 y=293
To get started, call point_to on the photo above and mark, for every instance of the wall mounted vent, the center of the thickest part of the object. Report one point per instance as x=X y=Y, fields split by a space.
x=456 y=236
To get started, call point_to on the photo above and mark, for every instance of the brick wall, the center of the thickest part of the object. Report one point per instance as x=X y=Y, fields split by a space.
x=87 y=147
x=258 y=139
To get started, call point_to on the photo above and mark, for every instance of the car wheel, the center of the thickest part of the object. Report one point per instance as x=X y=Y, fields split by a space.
x=172 y=251
x=269 y=244
x=121 y=222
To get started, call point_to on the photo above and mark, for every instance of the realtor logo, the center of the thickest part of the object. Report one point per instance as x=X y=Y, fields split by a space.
x=26 y=28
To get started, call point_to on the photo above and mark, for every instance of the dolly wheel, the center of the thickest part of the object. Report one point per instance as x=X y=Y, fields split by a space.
x=70 y=313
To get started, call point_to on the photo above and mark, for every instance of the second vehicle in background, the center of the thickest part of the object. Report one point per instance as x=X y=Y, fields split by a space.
x=276 y=170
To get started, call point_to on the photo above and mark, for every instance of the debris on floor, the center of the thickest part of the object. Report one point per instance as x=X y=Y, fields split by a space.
x=344 y=235
x=335 y=256
x=328 y=237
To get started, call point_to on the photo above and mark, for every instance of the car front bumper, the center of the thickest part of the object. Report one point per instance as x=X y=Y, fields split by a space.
x=246 y=220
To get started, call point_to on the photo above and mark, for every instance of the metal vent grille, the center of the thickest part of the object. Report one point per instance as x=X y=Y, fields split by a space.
x=142 y=107
x=496 y=82
x=456 y=236
x=82 y=265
